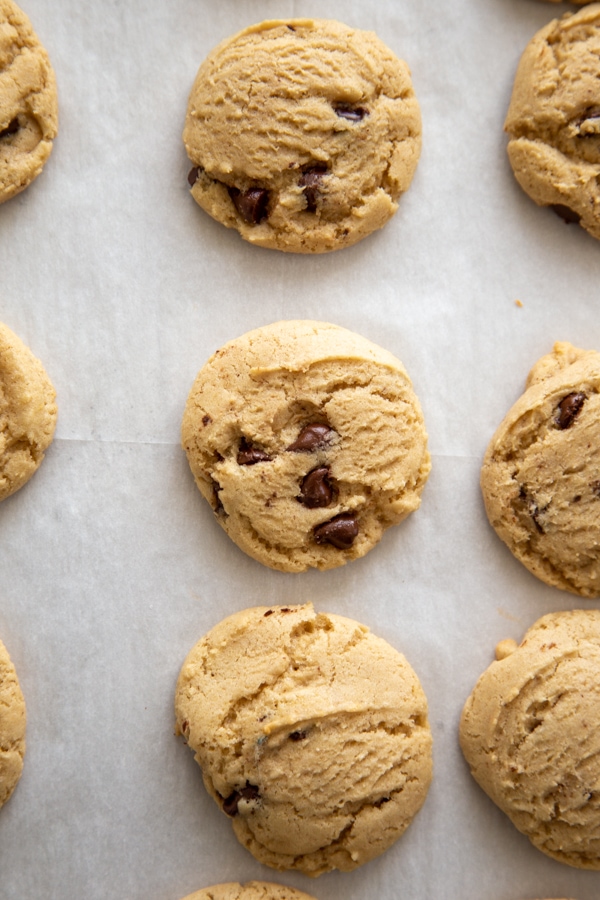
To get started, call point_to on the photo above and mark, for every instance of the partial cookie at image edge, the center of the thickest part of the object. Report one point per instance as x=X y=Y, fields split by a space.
x=28 y=412
x=12 y=727
x=28 y=102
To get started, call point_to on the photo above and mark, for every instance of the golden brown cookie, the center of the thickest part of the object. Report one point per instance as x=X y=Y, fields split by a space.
x=541 y=473
x=312 y=735
x=12 y=727
x=530 y=732
x=27 y=412
x=554 y=118
x=308 y=442
x=28 y=105
x=252 y=890
x=303 y=134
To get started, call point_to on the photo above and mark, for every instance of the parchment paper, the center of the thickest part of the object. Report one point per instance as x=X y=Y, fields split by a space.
x=111 y=566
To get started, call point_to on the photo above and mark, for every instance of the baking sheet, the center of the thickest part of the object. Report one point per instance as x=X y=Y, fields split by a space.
x=110 y=564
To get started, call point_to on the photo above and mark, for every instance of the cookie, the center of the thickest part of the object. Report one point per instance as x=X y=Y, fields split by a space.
x=530 y=732
x=312 y=735
x=541 y=473
x=27 y=412
x=28 y=105
x=303 y=134
x=308 y=442
x=554 y=118
x=12 y=727
x=252 y=890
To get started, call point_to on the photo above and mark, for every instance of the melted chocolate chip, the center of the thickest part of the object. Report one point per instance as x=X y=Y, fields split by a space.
x=269 y=612
x=316 y=489
x=230 y=804
x=352 y=113
x=568 y=409
x=249 y=454
x=206 y=420
x=339 y=531
x=12 y=128
x=567 y=214
x=251 y=204
x=193 y=175
x=312 y=437
x=298 y=736
x=310 y=182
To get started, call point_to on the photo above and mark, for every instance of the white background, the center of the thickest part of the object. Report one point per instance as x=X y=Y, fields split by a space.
x=111 y=566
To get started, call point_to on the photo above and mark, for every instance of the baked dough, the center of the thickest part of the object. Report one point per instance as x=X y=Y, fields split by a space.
x=541 y=473
x=27 y=412
x=28 y=104
x=303 y=134
x=252 y=890
x=554 y=118
x=312 y=735
x=530 y=732
x=308 y=442
x=12 y=727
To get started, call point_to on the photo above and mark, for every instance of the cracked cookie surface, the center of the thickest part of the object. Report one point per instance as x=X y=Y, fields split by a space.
x=251 y=890
x=308 y=442
x=27 y=412
x=303 y=134
x=312 y=735
x=12 y=727
x=28 y=105
x=530 y=732
x=541 y=472
x=553 y=120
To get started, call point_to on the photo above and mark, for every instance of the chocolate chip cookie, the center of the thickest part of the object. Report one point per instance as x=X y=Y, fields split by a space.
x=252 y=890
x=541 y=473
x=12 y=727
x=28 y=105
x=312 y=735
x=27 y=412
x=530 y=732
x=303 y=134
x=554 y=118
x=308 y=442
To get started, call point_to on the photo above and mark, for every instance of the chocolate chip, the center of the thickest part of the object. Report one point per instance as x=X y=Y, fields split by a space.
x=217 y=505
x=339 y=531
x=230 y=805
x=193 y=175
x=298 y=736
x=206 y=420
x=251 y=204
x=316 y=489
x=568 y=409
x=249 y=454
x=311 y=182
x=269 y=612
x=567 y=214
x=312 y=437
x=12 y=128
x=352 y=113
